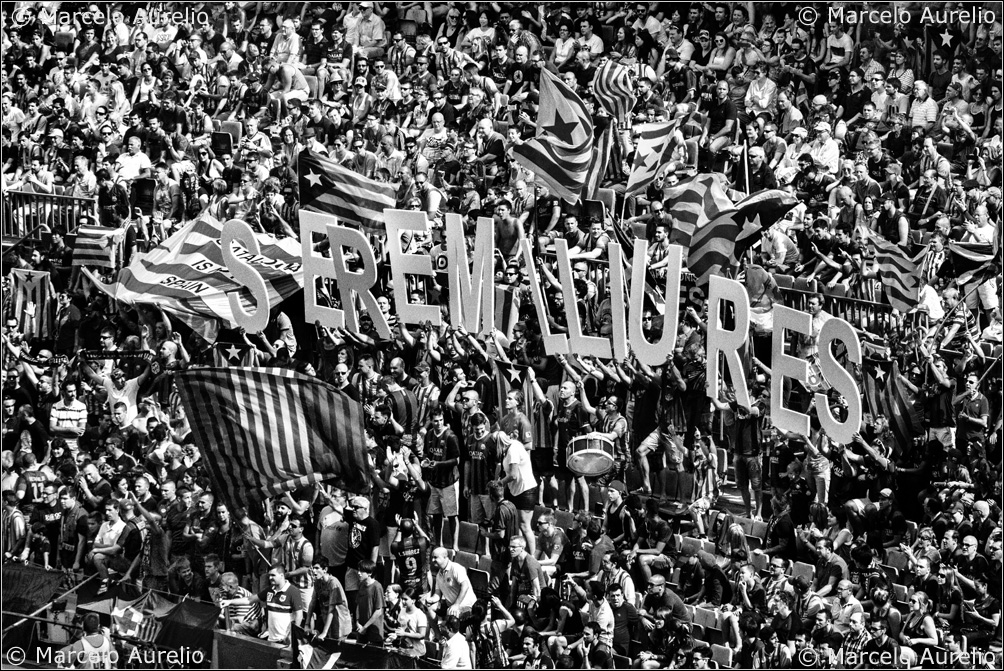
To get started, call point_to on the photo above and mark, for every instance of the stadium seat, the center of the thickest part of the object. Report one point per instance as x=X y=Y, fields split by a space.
x=469 y=537
x=891 y=572
x=564 y=519
x=311 y=85
x=746 y=523
x=759 y=530
x=801 y=568
x=468 y=560
x=802 y=284
x=608 y=197
x=620 y=661
x=761 y=562
x=235 y=129
x=409 y=29
x=485 y=562
x=784 y=281
x=898 y=560
x=722 y=655
x=480 y=582
x=692 y=543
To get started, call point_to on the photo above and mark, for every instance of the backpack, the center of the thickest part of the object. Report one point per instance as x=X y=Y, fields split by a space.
x=489 y=653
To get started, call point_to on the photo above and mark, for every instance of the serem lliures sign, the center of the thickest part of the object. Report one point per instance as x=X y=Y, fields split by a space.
x=472 y=305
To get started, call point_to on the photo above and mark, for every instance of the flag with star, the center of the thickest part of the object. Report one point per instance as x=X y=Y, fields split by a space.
x=562 y=150
x=719 y=243
x=941 y=37
x=233 y=354
x=656 y=143
x=510 y=376
x=34 y=304
x=885 y=396
x=326 y=186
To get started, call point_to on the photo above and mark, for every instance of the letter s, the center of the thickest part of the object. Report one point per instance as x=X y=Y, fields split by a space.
x=247 y=275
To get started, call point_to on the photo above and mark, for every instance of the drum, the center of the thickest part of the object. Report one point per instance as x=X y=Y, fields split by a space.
x=590 y=456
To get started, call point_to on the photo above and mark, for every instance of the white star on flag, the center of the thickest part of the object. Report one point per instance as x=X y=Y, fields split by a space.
x=313 y=178
x=233 y=353
x=879 y=374
x=946 y=38
x=514 y=375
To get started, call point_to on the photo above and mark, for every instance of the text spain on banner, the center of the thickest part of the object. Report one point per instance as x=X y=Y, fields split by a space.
x=187 y=277
x=273 y=430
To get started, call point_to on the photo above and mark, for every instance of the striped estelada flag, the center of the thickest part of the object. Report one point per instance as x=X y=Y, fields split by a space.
x=695 y=201
x=562 y=149
x=272 y=430
x=968 y=260
x=900 y=274
x=717 y=245
x=603 y=153
x=510 y=376
x=656 y=144
x=186 y=276
x=506 y=309
x=614 y=90
x=34 y=307
x=98 y=247
x=233 y=354
x=885 y=396
x=326 y=186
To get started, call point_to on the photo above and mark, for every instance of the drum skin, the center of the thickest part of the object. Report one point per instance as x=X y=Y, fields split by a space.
x=590 y=456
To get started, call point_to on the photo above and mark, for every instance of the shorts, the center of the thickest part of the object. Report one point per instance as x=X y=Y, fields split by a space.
x=481 y=508
x=444 y=500
x=943 y=434
x=748 y=472
x=525 y=501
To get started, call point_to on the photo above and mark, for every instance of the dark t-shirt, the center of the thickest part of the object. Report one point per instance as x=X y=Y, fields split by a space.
x=363 y=537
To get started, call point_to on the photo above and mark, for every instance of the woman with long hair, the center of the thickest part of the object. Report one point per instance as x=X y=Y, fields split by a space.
x=146 y=90
x=919 y=631
x=900 y=69
x=454 y=28
x=721 y=57
x=479 y=39
x=624 y=50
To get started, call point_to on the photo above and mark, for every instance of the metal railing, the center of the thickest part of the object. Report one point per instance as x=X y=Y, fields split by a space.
x=24 y=211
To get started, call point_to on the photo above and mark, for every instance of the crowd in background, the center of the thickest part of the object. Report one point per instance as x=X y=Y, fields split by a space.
x=890 y=543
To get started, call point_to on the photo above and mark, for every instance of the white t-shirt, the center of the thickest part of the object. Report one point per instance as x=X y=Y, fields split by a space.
x=128 y=394
x=518 y=456
x=457 y=653
x=130 y=166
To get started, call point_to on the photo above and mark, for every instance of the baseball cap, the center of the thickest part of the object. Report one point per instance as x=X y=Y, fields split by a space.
x=58 y=132
x=886 y=492
x=619 y=486
x=360 y=81
x=823 y=125
x=365 y=3
x=798 y=130
x=756 y=151
x=671 y=52
x=819 y=100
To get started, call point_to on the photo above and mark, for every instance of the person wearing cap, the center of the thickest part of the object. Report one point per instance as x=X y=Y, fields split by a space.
x=371 y=33
x=824 y=149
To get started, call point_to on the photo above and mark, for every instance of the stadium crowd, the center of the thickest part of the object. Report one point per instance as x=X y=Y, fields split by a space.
x=478 y=545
